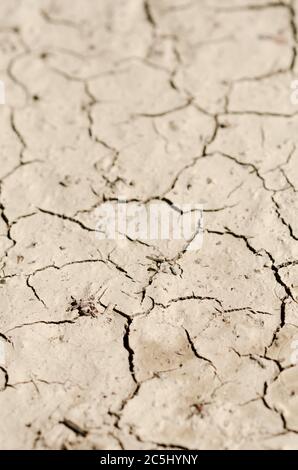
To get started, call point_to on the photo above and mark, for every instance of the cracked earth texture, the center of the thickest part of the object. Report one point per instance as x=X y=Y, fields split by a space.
x=140 y=345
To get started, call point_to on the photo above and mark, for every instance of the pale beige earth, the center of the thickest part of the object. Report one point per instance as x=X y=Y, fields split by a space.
x=144 y=344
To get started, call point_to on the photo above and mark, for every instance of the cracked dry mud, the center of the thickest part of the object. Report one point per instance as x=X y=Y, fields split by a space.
x=134 y=345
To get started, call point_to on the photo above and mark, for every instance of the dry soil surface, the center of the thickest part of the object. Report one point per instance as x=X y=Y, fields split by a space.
x=139 y=344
